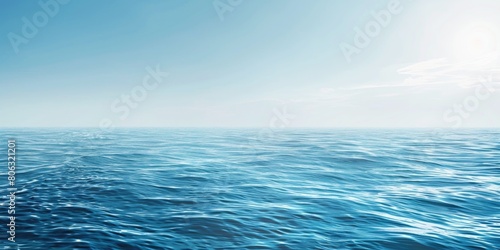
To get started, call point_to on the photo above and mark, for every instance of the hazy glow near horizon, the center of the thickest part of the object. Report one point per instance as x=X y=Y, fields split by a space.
x=384 y=63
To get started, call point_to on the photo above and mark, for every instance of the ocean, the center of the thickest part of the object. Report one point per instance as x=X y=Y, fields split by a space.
x=371 y=189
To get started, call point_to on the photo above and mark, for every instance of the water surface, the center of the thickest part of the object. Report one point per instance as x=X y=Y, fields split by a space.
x=230 y=189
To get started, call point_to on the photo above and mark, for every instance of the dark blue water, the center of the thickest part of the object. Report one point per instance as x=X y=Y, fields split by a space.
x=227 y=189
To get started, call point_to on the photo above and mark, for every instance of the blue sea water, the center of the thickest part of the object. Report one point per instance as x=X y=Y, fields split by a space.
x=235 y=189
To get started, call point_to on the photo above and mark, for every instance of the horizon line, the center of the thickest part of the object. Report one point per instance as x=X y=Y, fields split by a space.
x=232 y=127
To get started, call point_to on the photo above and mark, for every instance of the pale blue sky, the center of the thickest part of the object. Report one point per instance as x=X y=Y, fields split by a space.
x=262 y=57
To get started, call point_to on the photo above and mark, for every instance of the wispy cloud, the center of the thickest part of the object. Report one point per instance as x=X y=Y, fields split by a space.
x=431 y=75
x=444 y=71
x=437 y=72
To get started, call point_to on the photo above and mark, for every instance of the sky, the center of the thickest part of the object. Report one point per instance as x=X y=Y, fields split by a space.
x=249 y=63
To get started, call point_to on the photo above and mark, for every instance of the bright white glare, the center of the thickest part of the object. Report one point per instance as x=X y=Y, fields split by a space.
x=475 y=40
